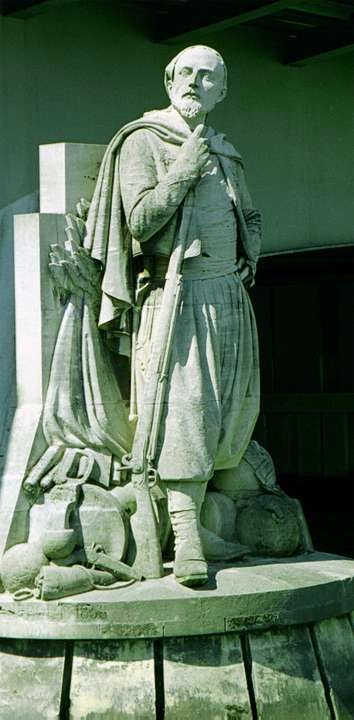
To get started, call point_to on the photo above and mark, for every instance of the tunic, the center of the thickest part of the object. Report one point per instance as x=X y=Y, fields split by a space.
x=212 y=400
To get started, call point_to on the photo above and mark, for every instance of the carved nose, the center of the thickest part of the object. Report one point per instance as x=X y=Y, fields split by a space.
x=193 y=86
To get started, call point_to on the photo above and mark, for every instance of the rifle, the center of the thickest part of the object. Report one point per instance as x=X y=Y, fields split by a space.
x=141 y=460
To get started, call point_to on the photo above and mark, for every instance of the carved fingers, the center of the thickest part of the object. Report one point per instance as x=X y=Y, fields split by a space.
x=245 y=272
x=195 y=150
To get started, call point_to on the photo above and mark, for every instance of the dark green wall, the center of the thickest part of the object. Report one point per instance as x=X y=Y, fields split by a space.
x=78 y=71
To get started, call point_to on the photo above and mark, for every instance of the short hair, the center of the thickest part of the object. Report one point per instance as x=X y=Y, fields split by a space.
x=170 y=68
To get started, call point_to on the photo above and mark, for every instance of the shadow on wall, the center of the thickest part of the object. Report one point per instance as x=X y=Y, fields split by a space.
x=26 y=204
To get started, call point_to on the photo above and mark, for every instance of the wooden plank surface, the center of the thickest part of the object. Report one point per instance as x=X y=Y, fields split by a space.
x=286 y=680
x=113 y=679
x=260 y=431
x=31 y=675
x=309 y=444
x=351 y=449
x=261 y=298
x=335 y=643
x=345 y=359
x=335 y=444
x=300 y=402
x=280 y=437
x=296 y=338
x=205 y=679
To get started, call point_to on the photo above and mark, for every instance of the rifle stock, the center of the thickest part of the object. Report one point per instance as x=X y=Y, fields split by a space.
x=142 y=464
x=148 y=560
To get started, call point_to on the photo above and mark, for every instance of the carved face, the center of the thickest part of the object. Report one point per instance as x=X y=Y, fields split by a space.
x=198 y=83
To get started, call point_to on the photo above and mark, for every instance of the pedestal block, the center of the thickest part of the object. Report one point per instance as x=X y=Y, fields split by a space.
x=67 y=172
x=38 y=314
x=262 y=640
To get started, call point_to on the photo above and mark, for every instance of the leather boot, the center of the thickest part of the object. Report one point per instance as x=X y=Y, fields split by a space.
x=217 y=549
x=184 y=503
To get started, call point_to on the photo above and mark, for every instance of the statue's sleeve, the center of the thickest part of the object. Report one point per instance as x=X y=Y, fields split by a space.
x=252 y=216
x=149 y=202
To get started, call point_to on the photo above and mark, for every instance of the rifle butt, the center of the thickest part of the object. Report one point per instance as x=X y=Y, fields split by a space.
x=148 y=561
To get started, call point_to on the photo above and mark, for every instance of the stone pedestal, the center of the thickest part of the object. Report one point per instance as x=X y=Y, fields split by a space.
x=270 y=640
x=68 y=172
x=263 y=639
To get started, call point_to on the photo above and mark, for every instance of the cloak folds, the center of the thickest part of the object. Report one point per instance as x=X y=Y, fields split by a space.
x=108 y=238
x=84 y=406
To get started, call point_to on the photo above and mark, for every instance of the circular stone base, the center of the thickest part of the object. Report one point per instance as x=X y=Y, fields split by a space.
x=263 y=639
x=259 y=593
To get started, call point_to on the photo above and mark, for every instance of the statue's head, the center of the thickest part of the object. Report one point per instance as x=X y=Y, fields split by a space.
x=196 y=80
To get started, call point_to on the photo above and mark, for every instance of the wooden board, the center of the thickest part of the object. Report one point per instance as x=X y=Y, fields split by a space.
x=351 y=448
x=113 y=679
x=335 y=444
x=260 y=430
x=261 y=298
x=286 y=679
x=31 y=675
x=309 y=443
x=280 y=437
x=345 y=354
x=205 y=679
x=296 y=311
x=335 y=643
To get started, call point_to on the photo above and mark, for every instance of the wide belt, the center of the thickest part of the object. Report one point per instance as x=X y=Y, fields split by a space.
x=156 y=266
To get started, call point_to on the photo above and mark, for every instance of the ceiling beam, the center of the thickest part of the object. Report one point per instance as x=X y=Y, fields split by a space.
x=319 y=46
x=28 y=8
x=323 y=8
x=176 y=31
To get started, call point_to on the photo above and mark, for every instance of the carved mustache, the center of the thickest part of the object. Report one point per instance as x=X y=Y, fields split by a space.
x=191 y=93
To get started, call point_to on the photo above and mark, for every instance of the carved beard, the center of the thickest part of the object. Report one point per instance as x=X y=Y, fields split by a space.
x=187 y=107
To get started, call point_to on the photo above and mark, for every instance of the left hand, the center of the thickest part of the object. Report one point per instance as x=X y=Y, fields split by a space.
x=245 y=272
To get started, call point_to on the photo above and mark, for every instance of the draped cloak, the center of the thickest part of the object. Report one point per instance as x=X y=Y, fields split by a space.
x=84 y=406
x=108 y=237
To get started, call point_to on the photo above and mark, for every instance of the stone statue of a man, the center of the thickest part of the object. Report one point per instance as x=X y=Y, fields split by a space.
x=151 y=166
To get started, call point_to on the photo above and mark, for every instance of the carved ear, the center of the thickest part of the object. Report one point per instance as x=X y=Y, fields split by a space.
x=222 y=95
x=169 y=84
